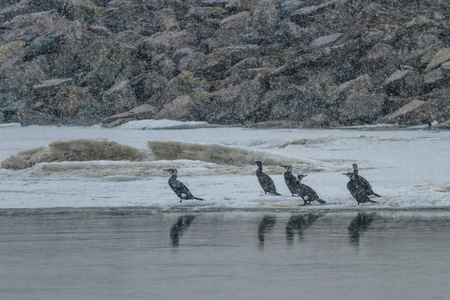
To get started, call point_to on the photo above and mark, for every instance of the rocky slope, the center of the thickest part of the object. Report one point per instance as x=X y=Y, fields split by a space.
x=263 y=62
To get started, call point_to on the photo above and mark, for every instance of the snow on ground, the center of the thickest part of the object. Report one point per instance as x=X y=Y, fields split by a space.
x=409 y=168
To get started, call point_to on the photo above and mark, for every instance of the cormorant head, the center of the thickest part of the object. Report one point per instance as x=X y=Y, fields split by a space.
x=172 y=171
x=258 y=163
x=288 y=168
x=301 y=176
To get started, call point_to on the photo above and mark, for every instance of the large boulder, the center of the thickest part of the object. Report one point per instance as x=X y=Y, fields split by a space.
x=306 y=14
x=232 y=31
x=118 y=98
x=12 y=50
x=29 y=117
x=76 y=103
x=403 y=83
x=83 y=10
x=43 y=45
x=365 y=109
x=264 y=17
x=233 y=105
x=166 y=42
x=49 y=88
x=379 y=62
x=106 y=71
x=359 y=86
x=221 y=59
x=410 y=114
x=434 y=79
x=181 y=108
x=446 y=69
x=141 y=112
x=439 y=58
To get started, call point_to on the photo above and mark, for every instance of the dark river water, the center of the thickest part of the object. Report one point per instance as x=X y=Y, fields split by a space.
x=225 y=255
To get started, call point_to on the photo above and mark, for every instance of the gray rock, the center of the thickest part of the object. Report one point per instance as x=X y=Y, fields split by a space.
x=264 y=17
x=365 y=109
x=141 y=112
x=446 y=69
x=118 y=98
x=181 y=108
x=105 y=72
x=193 y=62
x=232 y=31
x=76 y=103
x=43 y=45
x=319 y=120
x=408 y=114
x=433 y=80
x=290 y=33
x=214 y=3
x=439 y=105
x=202 y=14
x=403 y=83
x=12 y=50
x=29 y=117
x=166 y=42
x=235 y=104
x=442 y=56
x=49 y=88
x=379 y=62
x=289 y=6
x=305 y=14
x=361 y=85
x=221 y=59
x=443 y=125
x=183 y=84
x=325 y=40
x=83 y=10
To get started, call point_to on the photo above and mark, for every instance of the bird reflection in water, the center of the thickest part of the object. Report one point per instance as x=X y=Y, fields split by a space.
x=358 y=225
x=265 y=226
x=179 y=227
x=298 y=223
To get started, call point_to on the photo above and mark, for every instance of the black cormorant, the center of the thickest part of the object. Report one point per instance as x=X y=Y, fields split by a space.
x=265 y=181
x=179 y=188
x=307 y=193
x=291 y=180
x=363 y=182
x=357 y=190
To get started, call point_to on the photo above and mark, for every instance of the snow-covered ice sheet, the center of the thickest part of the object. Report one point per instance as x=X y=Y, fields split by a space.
x=409 y=168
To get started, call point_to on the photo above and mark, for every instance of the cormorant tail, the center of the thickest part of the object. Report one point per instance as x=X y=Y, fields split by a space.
x=196 y=198
x=373 y=201
x=276 y=193
x=321 y=201
x=376 y=195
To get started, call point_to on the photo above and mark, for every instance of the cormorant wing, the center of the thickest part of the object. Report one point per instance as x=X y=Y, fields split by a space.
x=181 y=190
x=266 y=181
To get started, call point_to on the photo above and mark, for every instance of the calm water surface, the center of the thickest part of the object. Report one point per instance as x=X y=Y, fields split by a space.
x=114 y=254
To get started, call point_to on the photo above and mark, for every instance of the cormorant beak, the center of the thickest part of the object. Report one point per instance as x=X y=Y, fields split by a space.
x=168 y=170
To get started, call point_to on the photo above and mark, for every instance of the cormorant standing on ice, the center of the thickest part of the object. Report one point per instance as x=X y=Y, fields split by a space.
x=179 y=188
x=363 y=182
x=265 y=181
x=307 y=193
x=357 y=190
x=290 y=180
